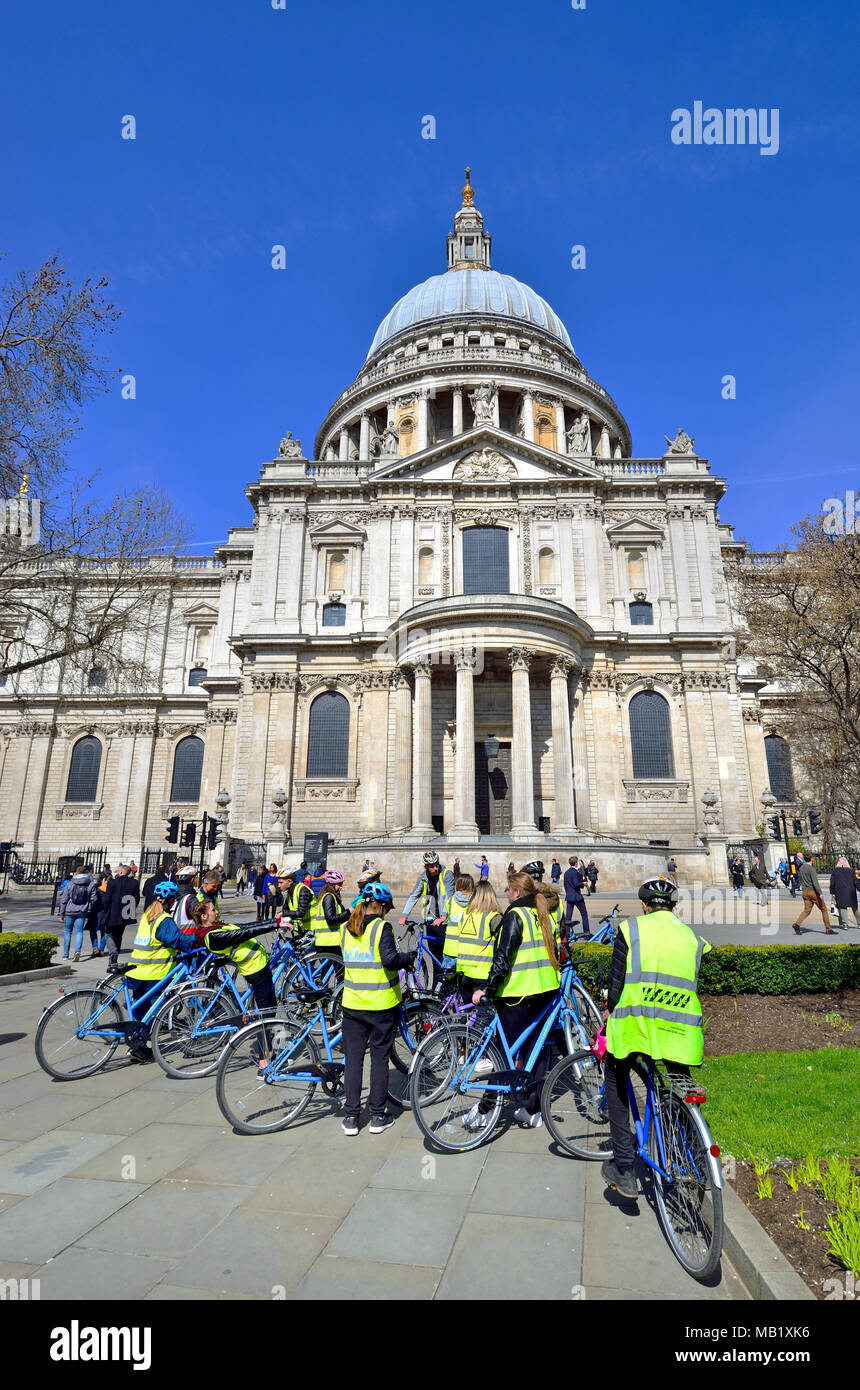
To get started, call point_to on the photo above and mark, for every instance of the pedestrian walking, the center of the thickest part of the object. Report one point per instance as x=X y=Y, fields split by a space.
x=121 y=901
x=843 y=891
x=760 y=881
x=736 y=869
x=574 y=881
x=76 y=904
x=591 y=872
x=810 y=891
x=241 y=879
x=672 y=870
x=455 y=868
x=555 y=871
x=483 y=867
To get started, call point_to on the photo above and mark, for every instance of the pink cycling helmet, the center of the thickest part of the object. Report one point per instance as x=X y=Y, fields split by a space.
x=333 y=877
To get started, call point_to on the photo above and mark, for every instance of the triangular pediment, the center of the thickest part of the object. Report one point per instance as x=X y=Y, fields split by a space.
x=485 y=454
x=634 y=528
x=338 y=532
x=201 y=613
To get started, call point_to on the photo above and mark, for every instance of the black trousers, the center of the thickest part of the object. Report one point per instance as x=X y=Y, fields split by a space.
x=515 y=1018
x=578 y=905
x=616 y=1073
x=113 y=940
x=362 y=1028
x=263 y=987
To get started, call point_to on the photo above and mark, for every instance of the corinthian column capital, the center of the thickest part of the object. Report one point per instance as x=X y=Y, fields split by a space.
x=520 y=658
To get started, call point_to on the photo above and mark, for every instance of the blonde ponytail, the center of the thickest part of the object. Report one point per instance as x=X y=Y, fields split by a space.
x=526 y=887
x=355 y=925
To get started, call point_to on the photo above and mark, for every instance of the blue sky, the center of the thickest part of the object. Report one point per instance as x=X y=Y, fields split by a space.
x=302 y=127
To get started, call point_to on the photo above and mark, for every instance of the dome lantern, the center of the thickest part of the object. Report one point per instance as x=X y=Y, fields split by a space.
x=469 y=244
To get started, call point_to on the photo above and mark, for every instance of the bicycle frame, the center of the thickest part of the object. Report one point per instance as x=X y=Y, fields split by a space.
x=175 y=975
x=651 y=1117
x=545 y=1022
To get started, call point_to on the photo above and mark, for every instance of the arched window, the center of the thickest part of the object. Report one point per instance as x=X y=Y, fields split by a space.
x=546 y=566
x=779 y=767
x=84 y=770
x=336 y=570
x=328 y=736
x=641 y=615
x=425 y=565
x=334 y=615
x=187 y=770
x=636 y=569
x=650 y=736
x=485 y=560
x=97 y=678
x=407 y=437
x=197 y=675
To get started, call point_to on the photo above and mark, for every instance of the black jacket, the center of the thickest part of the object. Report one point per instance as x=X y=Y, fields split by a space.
x=843 y=887
x=617 y=971
x=508 y=941
x=334 y=912
x=225 y=938
x=121 y=899
x=306 y=897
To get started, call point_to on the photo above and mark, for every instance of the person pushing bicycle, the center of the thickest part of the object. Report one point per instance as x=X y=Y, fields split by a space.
x=434 y=887
x=653 y=1011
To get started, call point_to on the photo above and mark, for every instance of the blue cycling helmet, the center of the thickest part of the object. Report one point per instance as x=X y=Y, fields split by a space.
x=377 y=893
x=165 y=890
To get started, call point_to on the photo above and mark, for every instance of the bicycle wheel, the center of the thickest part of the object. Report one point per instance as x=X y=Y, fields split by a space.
x=588 y=1015
x=189 y=1033
x=573 y=1106
x=689 y=1204
x=418 y=1018
x=67 y=1043
x=254 y=1088
x=445 y=1085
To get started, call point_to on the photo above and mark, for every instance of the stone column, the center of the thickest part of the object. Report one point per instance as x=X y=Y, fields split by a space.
x=559 y=427
x=402 y=700
x=422 y=762
x=580 y=755
x=522 y=771
x=562 y=759
x=364 y=439
x=604 y=449
x=458 y=411
x=464 y=758
x=422 y=421
x=528 y=417
x=343 y=445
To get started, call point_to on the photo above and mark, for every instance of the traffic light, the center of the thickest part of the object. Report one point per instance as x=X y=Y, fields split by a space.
x=797 y=827
x=172 y=832
x=189 y=834
x=815 y=822
x=216 y=834
x=773 y=827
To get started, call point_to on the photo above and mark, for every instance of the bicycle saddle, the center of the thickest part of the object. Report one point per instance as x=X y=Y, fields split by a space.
x=310 y=996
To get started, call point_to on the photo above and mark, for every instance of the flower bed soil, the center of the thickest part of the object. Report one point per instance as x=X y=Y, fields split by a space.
x=805 y=1250
x=780 y=1022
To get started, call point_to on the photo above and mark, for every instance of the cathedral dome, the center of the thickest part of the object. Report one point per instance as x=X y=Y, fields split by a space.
x=466 y=291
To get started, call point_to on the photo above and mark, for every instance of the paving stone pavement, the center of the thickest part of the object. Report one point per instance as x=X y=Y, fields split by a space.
x=129 y=1185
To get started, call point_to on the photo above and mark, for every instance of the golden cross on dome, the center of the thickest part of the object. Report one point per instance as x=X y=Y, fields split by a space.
x=468 y=191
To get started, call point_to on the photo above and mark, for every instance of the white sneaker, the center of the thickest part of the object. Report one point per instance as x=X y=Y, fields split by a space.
x=483 y=1064
x=524 y=1117
x=474 y=1119
x=349 y=1125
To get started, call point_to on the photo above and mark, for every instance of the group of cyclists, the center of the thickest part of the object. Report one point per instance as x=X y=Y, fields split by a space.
x=505 y=956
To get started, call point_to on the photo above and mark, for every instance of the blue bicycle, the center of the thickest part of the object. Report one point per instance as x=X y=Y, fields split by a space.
x=460 y=1066
x=270 y=1069
x=672 y=1140
x=605 y=932
x=80 y=1032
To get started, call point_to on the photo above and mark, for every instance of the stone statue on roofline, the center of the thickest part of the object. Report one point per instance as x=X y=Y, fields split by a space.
x=681 y=444
x=290 y=448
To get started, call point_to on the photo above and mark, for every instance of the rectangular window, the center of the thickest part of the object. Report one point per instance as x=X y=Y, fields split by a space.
x=486 y=569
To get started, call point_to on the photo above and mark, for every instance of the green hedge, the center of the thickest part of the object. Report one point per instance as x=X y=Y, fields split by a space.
x=752 y=969
x=30 y=950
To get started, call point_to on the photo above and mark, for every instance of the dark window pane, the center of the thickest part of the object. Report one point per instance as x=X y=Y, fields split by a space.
x=779 y=767
x=334 y=615
x=197 y=675
x=97 y=678
x=641 y=614
x=84 y=770
x=650 y=736
x=485 y=560
x=328 y=736
x=187 y=770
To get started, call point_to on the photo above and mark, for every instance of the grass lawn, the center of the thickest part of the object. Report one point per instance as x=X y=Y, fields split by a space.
x=784 y=1104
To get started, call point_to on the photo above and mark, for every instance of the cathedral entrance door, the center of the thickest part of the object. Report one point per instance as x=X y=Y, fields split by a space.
x=492 y=791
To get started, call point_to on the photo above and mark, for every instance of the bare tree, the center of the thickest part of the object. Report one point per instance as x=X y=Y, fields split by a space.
x=802 y=619
x=51 y=362
x=80 y=575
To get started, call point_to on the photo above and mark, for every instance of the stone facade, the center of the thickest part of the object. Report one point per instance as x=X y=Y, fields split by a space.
x=477 y=417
